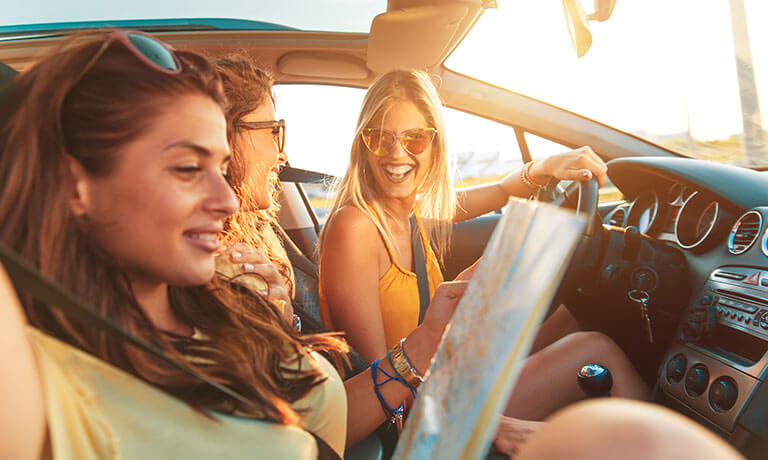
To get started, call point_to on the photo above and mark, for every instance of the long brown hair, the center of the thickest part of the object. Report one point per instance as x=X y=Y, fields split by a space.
x=54 y=112
x=247 y=88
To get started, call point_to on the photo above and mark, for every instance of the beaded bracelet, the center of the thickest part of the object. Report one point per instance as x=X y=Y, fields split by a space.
x=395 y=415
x=525 y=177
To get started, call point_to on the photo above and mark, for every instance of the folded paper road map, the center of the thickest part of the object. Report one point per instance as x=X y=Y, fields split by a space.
x=458 y=407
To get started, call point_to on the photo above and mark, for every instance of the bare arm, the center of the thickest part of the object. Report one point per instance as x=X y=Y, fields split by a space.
x=364 y=412
x=350 y=276
x=579 y=164
x=22 y=415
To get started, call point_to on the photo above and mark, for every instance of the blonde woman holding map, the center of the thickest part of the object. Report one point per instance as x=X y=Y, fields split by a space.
x=398 y=168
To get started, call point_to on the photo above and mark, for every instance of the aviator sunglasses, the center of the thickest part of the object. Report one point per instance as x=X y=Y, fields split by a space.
x=414 y=141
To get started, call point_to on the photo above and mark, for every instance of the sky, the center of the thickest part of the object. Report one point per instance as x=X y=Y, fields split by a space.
x=656 y=67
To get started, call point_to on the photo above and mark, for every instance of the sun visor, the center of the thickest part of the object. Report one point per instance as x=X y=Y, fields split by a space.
x=323 y=65
x=419 y=37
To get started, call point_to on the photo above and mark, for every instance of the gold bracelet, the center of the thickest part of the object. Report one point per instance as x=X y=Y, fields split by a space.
x=525 y=177
x=404 y=368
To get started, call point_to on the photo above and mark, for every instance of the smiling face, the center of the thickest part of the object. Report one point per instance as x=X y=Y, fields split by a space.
x=397 y=173
x=261 y=156
x=158 y=213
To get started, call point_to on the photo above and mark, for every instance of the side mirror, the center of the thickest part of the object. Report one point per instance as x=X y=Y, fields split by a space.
x=578 y=22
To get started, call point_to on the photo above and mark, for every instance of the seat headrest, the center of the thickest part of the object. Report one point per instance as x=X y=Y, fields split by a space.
x=6 y=75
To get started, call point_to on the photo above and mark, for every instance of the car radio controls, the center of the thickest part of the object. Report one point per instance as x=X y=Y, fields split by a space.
x=723 y=393
x=697 y=380
x=764 y=322
x=676 y=368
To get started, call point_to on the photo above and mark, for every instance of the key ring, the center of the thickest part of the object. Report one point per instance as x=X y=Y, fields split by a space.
x=639 y=296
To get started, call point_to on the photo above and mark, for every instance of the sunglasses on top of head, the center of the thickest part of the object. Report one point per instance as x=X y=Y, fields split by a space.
x=414 y=141
x=148 y=50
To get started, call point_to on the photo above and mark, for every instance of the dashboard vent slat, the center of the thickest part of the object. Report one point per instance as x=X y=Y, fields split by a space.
x=618 y=218
x=744 y=232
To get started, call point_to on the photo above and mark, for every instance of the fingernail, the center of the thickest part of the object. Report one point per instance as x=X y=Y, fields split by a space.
x=585 y=174
x=247 y=267
x=236 y=255
x=263 y=292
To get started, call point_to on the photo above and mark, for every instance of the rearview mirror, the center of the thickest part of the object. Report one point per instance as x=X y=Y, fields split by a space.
x=578 y=22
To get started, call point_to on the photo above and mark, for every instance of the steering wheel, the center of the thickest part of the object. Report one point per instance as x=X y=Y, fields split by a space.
x=585 y=195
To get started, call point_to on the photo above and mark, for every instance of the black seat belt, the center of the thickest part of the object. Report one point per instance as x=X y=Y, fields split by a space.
x=28 y=279
x=420 y=268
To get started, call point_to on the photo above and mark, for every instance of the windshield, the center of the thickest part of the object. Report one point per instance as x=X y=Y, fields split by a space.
x=663 y=70
x=315 y=15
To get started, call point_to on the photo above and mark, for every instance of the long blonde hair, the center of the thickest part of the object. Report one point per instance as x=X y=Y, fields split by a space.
x=436 y=198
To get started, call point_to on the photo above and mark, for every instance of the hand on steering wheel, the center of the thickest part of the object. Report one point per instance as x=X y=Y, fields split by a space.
x=584 y=168
x=580 y=164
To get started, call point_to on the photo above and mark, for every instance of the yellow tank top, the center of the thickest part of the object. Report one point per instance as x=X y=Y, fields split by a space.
x=97 y=411
x=398 y=294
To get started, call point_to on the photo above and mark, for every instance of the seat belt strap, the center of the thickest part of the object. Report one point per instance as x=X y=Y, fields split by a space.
x=28 y=279
x=420 y=267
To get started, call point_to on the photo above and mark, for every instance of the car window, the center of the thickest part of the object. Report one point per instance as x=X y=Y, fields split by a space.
x=685 y=74
x=481 y=150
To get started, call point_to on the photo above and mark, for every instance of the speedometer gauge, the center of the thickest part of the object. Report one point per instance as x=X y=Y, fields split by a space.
x=697 y=221
x=644 y=211
x=706 y=220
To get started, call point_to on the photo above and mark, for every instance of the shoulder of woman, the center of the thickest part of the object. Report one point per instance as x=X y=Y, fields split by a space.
x=351 y=221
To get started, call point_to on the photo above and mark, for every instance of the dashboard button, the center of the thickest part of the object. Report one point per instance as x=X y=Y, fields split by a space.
x=753 y=278
x=706 y=300
x=676 y=369
x=764 y=322
x=723 y=393
x=730 y=276
x=697 y=380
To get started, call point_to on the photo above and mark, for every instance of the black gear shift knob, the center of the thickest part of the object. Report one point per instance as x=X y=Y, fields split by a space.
x=595 y=380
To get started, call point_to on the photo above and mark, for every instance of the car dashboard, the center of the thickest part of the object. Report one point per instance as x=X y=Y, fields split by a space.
x=715 y=366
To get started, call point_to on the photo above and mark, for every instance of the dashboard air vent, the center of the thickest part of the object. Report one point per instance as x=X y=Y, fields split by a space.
x=744 y=232
x=618 y=217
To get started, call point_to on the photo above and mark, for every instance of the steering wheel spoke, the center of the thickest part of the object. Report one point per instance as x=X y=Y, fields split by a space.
x=584 y=195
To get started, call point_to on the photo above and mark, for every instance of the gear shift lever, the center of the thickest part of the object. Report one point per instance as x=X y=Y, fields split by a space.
x=595 y=380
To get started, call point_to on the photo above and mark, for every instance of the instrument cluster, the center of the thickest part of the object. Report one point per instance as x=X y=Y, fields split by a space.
x=692 y=218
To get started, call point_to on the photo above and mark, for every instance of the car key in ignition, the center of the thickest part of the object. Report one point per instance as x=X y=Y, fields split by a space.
x=641 y=297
